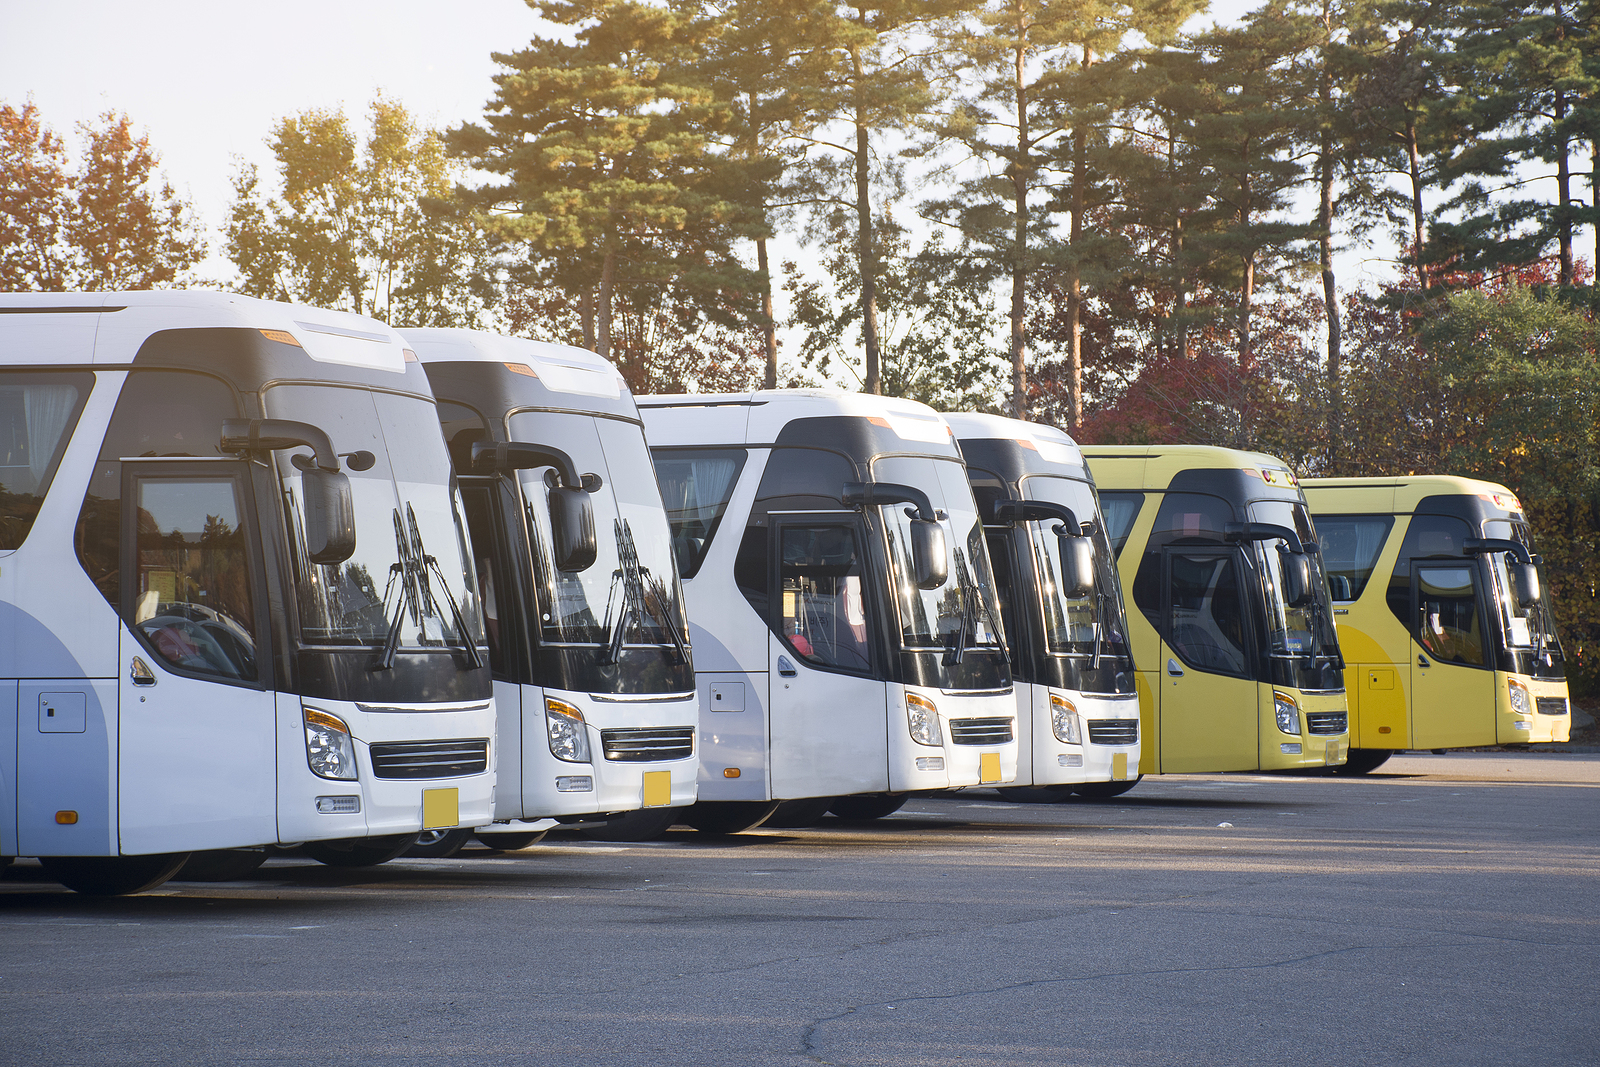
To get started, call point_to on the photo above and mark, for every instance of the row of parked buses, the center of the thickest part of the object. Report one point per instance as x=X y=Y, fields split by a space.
x=272 y=575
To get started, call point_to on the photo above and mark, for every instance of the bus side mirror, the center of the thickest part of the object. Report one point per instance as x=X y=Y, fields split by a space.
x=1339 y=586
x=928 y=554
x=1296 y=578
x=572 y=529
x=1077 y=564
x=330 y=518
x=1525 y=584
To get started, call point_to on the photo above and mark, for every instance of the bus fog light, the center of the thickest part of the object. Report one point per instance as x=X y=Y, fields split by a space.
x=569 y=737
x=923 y=719
x=1522 y=725
x=930 y=763
x=1290 y=748
x=329 y=750
x=1288 y=713
x=1069 y=759
x=1520 y=703
x=574 y=783
x=1064 y=721
x=339 y=805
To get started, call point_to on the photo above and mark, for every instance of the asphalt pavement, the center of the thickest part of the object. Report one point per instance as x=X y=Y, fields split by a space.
x=1439 y=911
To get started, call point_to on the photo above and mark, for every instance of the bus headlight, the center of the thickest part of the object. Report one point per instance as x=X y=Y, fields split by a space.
x=329 y=750
x=1521 y=703
x=569 y=734
x=1064 y=720
x=1288 y=713
x=923 y=718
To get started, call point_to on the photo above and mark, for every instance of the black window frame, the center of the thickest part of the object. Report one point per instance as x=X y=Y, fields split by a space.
x=1243 y=573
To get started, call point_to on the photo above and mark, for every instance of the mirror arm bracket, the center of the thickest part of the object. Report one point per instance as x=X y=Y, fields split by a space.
x=271 y=435
x=1476 y=546
x=501 y=456
x=1266 y=531
x=860 y=494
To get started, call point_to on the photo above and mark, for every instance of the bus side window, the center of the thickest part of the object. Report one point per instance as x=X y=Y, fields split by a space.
x=37 y=416
x=1351 y=545
x=1120 y=510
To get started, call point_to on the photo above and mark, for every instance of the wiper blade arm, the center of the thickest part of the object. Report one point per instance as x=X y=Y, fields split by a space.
x=391 y=642
x=468 y=646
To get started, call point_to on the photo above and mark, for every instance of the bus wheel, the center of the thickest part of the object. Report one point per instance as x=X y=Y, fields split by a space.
x=112 y=876
x=1363 y=761
x=647 y=824
x=510 y=842
x=438 y=844
x=1027 y=794
x=795 y=814
x=359 y=851
x=221 y=865
x=728 y=816
x=1104 y=790
x=866 y=806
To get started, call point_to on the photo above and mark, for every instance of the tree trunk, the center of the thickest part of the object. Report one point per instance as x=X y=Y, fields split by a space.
x=1415 y=158
x=1330 y=290
x=1080 y=164
x=608 y=275
x=1564 y=192
x=769 y=327
x=586 y=314
x=864 y=244
x=1020 y=172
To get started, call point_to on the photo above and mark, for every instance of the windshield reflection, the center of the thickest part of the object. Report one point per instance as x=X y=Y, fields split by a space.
x=1093 y=626
x=1304 y=632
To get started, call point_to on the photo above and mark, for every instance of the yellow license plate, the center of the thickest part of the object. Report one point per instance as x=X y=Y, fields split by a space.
x=441 y=808
x=657 y=789
x=988 y=767
x=1119 y=766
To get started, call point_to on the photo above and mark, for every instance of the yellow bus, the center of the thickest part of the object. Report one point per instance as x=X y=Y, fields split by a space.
x=1233 y=635
x=1454 y=644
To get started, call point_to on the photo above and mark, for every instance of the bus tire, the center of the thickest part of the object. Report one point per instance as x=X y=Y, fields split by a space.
x=221 y=865
x=510 y=842
x=112 y=876
x=646 y=824
x=867 y=806
x=359 y=851
x=438 y=844
x=798 y=814
x=728 y=816
x=1105 y=790
x=1030 y=794
x=1363 y=761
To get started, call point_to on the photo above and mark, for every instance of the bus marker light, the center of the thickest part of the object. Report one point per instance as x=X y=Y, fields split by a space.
x=1290 y=748
x=730 y=772
x=283 y=337
x=1522 y=725
x=1383 y=729
x=66 y=818
x=574 y=783
x=338 y=805
x=930 y=763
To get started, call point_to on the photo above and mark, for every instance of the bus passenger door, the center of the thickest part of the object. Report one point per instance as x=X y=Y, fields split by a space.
x=1207 y=699
x=196 y=754
x=827 y=712
x=1452 y=678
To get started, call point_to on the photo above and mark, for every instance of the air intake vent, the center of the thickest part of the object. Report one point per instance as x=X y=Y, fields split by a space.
x=1113 y=731
x=1551 y=705
x=429 y=759
x=980 y=731
x=648 y=745
x=1326 y=722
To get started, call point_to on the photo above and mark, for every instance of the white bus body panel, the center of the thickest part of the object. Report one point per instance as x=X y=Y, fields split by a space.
x=1052 y=761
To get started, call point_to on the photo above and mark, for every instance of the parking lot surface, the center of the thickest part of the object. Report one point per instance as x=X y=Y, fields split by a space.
x=1439 y=911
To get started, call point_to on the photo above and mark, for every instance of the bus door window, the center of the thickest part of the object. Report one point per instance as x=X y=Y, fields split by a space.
x=822 y=609
x=1005 y=582
x=1448 y=623
x=193 y=591
x=1205 y=622
x=1428 y=536
x=483 y=525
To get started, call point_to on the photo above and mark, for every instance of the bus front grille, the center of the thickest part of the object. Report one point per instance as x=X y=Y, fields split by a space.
x=1326 y=722
x=1113 y=731
x=648 y=744
x=429 y=759
x=980 y=731
x=1551 y=705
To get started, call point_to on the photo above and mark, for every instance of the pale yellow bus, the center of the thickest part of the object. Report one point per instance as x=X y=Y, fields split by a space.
x=1441 y=610
x=1231 y=627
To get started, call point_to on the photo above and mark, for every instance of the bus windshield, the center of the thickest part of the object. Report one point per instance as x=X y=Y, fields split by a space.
x=1091 y=628
x=410 y=570
x=630 y=595
x=1304 y=632
x=1529 y=629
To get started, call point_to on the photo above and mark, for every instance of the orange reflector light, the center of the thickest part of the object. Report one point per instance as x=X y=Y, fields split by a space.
x=521 y=368
x=1383 y=729
x=66 y=818
x=283 y=337
x=730 y=772
x=410 y=356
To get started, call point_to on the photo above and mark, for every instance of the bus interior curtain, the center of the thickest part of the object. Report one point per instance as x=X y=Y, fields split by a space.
x=48 y=408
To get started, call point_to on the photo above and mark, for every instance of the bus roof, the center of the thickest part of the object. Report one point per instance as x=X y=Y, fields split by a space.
x=1400 y=495
x=760 y=417
x=108 y=329
x=1018 y=447
x=560 y=368
x=1154 y=466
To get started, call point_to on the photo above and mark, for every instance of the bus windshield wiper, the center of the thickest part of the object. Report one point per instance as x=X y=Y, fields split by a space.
x=966 y=630
x=417 y=593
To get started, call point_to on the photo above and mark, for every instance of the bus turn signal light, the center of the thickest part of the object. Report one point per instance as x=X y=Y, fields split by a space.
x=66 y=818
x=730 y=772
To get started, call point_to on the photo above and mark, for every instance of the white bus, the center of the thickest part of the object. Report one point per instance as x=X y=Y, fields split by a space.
x=1077 y=703
x=848 y=647
x=236 y=603
x=587 y=637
